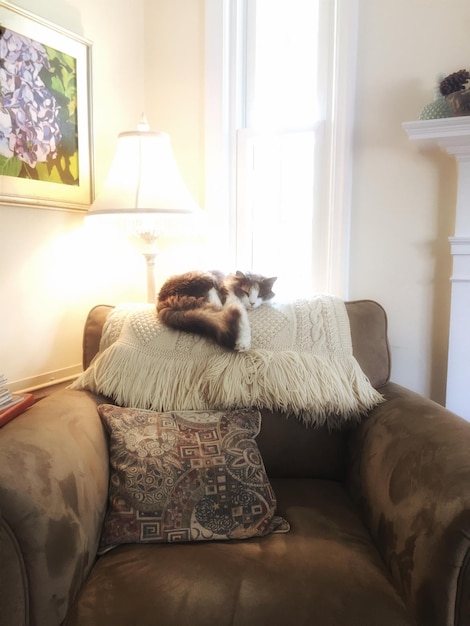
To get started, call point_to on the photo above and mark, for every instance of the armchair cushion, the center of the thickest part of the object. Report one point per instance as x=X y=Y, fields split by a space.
x=325 y=572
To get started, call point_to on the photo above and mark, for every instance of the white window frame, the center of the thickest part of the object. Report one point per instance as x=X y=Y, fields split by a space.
x=224 y=66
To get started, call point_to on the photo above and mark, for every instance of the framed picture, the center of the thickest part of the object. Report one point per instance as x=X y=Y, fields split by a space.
x=45 y=113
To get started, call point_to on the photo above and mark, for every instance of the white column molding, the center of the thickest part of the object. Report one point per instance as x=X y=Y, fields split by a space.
x=453 y=135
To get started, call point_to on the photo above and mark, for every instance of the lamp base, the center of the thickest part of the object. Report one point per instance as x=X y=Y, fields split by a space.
x=150 y=259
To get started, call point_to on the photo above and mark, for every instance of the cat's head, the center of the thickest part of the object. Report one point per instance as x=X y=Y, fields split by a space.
x=252 y=289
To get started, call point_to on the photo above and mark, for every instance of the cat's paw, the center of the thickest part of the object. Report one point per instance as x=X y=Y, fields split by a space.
x=242 y=346
x=243 y=342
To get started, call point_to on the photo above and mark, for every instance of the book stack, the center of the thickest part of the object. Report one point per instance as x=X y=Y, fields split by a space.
x=7 y=399
x=11 y=404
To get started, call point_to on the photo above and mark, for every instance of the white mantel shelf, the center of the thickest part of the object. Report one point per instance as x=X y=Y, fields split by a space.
x=452 y=134
x=448 y=130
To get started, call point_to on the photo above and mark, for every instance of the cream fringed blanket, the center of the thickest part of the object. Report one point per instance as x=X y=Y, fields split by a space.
x=301 y=362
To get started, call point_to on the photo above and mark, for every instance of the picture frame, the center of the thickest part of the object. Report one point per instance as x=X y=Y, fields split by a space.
x=46 y=157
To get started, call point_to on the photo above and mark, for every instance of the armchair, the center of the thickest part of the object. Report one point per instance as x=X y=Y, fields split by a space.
x=379 y=515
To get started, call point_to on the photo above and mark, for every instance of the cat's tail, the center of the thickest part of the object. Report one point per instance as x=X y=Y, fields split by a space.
x=220 y=325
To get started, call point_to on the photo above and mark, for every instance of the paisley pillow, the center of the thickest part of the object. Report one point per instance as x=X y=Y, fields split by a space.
x=185 y=476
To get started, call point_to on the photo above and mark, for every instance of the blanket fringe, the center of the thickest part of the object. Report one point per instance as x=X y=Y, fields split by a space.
x=319 y=390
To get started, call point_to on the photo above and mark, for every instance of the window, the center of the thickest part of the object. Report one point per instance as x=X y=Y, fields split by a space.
x=279 y=117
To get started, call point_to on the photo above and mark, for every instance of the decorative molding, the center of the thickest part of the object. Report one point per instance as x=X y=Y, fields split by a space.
x=221 y=114
x=460 y=250
x=459 y=245
x=340 y=142
x=450 y=133
x=430 y=131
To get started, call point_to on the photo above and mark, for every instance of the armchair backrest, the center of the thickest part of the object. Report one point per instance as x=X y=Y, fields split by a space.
x=367 y=320
x=289 y=448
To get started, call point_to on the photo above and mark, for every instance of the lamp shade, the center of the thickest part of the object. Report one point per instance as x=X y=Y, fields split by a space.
x=144 y=184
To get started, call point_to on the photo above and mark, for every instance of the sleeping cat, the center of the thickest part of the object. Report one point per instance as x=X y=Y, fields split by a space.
x=214 y=305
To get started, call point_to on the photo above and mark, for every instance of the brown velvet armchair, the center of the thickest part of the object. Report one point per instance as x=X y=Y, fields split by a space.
x=379 y=516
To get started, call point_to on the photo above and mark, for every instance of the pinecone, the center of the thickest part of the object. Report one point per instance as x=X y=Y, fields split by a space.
x=454 y=82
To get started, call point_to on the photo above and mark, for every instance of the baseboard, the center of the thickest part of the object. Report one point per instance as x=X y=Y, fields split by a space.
x=48 y=379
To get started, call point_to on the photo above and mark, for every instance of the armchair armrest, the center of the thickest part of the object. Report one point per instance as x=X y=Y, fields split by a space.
x=53 y=489
x=410 y=474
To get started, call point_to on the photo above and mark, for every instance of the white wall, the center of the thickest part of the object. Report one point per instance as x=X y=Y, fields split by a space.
x=51 y=272
x=403 y=200
x=174 y=52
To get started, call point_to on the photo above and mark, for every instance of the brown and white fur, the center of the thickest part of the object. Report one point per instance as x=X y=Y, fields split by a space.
x=214 y=305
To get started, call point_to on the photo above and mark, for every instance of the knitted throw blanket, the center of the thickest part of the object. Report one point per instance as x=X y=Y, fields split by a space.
x=301 y=362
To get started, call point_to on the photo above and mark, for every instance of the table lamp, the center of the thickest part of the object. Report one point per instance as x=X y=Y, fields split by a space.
x=144 y=193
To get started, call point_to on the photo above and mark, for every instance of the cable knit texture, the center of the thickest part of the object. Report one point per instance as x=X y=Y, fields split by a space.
x=301 y=362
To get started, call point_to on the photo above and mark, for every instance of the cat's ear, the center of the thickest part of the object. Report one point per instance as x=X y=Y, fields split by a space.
x=240 y=275
x=270 y=281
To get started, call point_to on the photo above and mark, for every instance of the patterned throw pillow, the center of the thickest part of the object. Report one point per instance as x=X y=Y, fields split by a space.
x=185 y=476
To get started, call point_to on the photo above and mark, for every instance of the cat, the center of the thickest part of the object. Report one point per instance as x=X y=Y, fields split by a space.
x=214 y=305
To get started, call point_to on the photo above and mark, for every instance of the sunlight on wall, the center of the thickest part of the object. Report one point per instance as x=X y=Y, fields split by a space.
x=85 y=266
x=54 y=288
x=64 y=278
x=82 y=265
